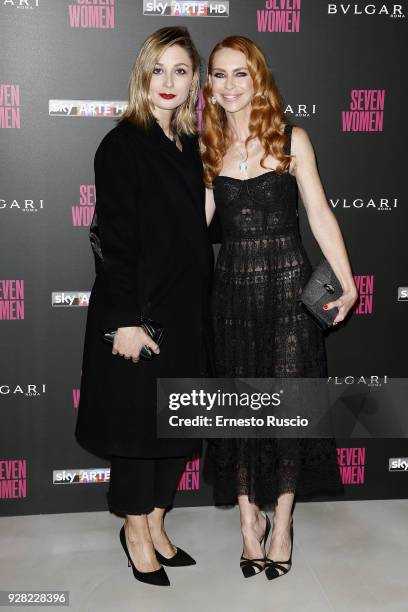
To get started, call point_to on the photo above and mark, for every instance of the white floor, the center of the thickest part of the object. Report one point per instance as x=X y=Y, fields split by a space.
x=348 y=556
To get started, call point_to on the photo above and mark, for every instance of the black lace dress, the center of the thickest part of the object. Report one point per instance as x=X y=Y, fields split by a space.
x=261 y=331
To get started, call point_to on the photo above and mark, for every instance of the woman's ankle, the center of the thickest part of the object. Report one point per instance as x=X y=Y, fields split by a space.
x=281 y=524
x=137 y=530
x=253 y=524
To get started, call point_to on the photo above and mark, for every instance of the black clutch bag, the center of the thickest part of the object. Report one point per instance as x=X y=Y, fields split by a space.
x=154 y=329
x=323 y=286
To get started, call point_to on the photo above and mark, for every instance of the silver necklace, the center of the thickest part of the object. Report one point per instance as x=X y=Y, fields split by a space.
x=243 y=163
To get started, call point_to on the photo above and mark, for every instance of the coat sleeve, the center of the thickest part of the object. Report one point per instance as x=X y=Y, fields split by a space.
x=215 y=229
x=117 y=219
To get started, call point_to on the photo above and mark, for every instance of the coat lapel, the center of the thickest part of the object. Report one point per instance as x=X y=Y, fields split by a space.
x=187 y=169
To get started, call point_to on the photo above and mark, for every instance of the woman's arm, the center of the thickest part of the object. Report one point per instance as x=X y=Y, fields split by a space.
x=116 y=210
x=322 y=221
x=209 y=205
x=118 y=227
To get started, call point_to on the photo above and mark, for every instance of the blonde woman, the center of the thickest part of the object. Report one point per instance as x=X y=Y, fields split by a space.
x=254 y=163
x=153 y=259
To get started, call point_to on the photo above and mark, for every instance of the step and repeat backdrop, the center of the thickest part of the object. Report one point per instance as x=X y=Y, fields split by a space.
x=64 y=71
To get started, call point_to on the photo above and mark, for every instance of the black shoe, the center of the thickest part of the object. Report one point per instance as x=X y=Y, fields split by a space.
x=251 y=567
x=158 y=577
x=272 y=567
x=180 y=559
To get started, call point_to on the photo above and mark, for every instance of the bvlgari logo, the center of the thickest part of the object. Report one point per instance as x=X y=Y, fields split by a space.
x=301 y=110
x=21 y=205
x=20 y=390
x=380 y=204
x=358 y=9
x=374 y=380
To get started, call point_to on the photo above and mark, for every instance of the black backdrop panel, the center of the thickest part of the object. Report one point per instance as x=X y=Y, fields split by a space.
x=59 y=58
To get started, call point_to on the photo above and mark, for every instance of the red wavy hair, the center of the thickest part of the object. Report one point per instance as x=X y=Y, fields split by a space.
x=267 y=119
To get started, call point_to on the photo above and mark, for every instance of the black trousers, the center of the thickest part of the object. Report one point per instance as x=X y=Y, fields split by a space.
x=137 y=486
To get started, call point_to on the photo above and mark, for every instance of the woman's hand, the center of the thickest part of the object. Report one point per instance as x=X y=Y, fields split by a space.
x=129 y=341
x=343 y=303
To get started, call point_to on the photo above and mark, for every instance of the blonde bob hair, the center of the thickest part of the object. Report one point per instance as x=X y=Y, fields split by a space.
x=139 y=109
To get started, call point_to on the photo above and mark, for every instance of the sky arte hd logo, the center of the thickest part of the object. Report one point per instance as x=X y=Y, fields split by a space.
x=196 y=8
x=70 y=298
x=21 y=4
x=81 y=476
x=398 y=464
x=86 y=108
x=402 y=294
x=279 y=16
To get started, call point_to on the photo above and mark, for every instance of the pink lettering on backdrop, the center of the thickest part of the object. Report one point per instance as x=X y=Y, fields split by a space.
x=190 y=479
x=9 y=106
x=365 y=288
x=11 y=300
x=352 y=464
x=82 y=213
x=13 y=478
x=279 y=16
x=366 y=113
x=95 y=14
x=75 y=397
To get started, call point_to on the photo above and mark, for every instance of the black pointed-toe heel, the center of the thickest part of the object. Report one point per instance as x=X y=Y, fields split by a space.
x=251 y=567
x=181 y=558
x=157 y=578
x=275 y=569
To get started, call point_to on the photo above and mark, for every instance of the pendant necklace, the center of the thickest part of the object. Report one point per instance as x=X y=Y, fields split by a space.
x=243 y=164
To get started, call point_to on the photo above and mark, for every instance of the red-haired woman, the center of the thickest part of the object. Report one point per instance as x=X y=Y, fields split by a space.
x=254 y=163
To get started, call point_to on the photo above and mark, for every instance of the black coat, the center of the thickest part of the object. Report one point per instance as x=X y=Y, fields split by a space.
x=153 y=258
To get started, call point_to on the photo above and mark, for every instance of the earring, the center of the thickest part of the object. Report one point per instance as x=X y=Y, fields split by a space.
x=213 y=99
